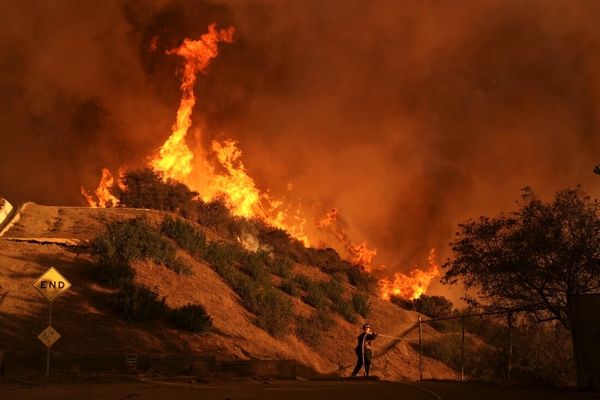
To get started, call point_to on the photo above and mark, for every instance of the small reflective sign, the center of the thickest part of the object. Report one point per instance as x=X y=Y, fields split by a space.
x=51 y=284
x=49 y=336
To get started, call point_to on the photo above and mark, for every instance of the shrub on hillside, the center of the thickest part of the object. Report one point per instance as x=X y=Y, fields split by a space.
x=191 y=317
x=146 y=188
x=290 y=287
x=185 y=235
x=432 y=306
x=302 y=281
x=274 y=312
x=124 y=242
x=224 y=254
x=138 y=303
x=113 y=273
x=333 y=289
x=255 y=265
x=346 y=310
x=310 y=330
x=280 y=242
x=215 y=214
x=180 y=267
x=361 y=304
x=315 y=295
x=361 y=279
x=133 y=239
x=281 y=266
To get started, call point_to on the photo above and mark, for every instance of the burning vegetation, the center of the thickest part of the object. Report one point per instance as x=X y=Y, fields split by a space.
x=225 y=181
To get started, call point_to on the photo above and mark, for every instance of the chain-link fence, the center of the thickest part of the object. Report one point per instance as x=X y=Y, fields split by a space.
x=507 y=346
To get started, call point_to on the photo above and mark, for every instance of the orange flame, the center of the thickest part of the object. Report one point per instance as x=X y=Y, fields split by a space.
x=175 y=160
x=360 y=254
x=413 y=285
x=103 y=194
x=228 y=178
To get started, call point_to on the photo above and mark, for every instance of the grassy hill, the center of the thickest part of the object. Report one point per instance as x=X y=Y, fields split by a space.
x=86 y=317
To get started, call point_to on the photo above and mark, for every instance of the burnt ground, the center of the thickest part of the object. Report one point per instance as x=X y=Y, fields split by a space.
x=185 y=388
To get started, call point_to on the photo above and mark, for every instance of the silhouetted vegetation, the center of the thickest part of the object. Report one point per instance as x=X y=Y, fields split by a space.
x=542 y=353
x=138 y=303
x=432 y=306
x=191 y=317
x=146 y=188
x=540 y=255
x=291 y=287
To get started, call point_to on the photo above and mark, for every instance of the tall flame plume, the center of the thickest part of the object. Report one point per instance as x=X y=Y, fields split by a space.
x=229 y=179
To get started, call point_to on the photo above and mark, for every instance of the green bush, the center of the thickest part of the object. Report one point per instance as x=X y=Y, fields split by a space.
x=124 y=242
x=274 y=312
x=185 y=235
x=133 y=239
x=281 y=266
x=113 y=273
x=290 y=287
x=310 y=330
x=280 y=242
x=302 y=281
x=333 y=289
x=255 y=265
x=315 y=295
x=180 y=267
x=362 y=280
x=217 y=216
x=191 y=317
x=346 y=310
x=224 y=254
x=361 y=304
x=146 y=188
x=138 y=303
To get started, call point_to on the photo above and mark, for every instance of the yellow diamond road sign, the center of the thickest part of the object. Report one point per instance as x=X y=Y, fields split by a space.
x=49 y=336
x=51 y=284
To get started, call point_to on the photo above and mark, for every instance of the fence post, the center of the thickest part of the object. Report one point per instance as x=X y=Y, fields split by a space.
x=420 y=350
x=462 y=350
x=509 y=366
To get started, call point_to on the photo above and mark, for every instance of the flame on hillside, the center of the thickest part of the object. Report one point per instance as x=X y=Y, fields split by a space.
x=228 y=178
x=104 y=198
x=412 y=285
x=360 y=253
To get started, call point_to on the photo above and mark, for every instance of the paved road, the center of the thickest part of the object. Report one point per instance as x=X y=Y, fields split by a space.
x=293 y=390
x=278 y=390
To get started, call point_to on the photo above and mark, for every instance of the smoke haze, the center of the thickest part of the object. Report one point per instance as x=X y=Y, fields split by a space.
x=409 y=118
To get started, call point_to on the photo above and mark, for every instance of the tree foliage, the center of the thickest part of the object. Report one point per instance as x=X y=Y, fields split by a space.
x=537 y=256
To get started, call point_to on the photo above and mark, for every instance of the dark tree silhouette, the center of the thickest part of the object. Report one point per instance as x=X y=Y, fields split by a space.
x=537 y=256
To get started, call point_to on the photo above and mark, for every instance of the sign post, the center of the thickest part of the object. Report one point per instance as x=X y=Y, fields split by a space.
x=50 y=284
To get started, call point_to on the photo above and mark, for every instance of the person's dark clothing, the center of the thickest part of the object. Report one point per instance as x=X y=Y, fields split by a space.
x=364 y=352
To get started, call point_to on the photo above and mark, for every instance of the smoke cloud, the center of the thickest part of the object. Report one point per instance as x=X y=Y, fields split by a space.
x=408 y=118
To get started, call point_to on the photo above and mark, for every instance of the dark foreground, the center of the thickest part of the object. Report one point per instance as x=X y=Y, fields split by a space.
x=162 y=389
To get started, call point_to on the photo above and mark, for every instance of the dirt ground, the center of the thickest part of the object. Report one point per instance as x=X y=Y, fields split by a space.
x=266 y=390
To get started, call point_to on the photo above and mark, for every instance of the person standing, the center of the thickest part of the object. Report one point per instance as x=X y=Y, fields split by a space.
x=363 y=350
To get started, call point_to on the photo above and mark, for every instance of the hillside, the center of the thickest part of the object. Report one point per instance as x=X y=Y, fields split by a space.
x=44 y=236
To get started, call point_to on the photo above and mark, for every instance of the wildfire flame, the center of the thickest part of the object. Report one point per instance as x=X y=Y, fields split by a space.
x=360 y=254
x=413 y=285
x=174 y=159
x=103 y=194
x=228 y=179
